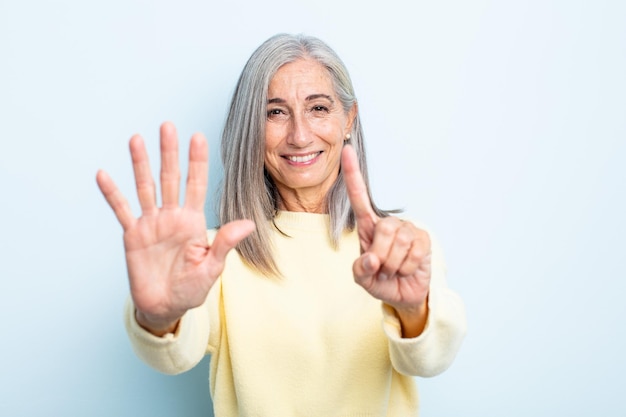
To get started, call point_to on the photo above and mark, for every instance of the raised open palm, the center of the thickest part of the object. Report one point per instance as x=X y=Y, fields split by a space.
x=171 y=266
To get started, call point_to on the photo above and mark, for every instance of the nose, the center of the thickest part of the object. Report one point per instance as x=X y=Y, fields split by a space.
x=300 y=132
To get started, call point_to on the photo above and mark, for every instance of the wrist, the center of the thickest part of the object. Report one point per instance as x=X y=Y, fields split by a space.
x=157 y=327
x=412 y=310
x=412 y=319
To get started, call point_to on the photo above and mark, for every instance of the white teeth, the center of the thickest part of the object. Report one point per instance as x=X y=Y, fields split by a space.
x=304 y=158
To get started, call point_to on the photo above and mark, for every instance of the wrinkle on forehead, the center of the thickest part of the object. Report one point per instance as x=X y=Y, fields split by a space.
x=302 y=80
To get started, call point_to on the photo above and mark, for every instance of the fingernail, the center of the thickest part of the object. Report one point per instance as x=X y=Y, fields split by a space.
x=367 y=264
x=382 y=277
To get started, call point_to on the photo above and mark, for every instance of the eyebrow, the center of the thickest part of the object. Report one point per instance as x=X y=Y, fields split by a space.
x=309 y=98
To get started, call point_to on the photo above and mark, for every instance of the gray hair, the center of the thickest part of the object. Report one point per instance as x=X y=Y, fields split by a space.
x=248 y=191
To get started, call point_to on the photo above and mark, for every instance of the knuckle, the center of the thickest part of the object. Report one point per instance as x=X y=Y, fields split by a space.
x=417 y=254
x=386 y=227
x=404 y=238
x=423 y=236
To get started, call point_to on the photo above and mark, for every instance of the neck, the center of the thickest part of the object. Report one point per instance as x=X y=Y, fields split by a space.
x=295 y=201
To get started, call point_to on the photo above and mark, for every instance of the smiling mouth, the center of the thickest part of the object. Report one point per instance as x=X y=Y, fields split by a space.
x=302 y=158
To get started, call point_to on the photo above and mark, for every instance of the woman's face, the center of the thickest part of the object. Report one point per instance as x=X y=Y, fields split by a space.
x=304 y=134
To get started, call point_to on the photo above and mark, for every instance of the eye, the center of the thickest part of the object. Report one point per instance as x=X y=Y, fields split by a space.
x=320 y=109
x=274 y=113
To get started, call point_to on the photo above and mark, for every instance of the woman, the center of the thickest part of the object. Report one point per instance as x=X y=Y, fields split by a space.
x=288 y=330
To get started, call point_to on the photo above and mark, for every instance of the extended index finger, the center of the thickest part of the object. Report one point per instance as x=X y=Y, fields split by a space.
x=357 y=190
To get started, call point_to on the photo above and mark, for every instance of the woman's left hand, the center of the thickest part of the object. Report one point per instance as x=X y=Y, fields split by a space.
x=395 y=261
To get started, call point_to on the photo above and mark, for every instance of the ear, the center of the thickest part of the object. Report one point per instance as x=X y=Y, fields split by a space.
x=351 y=117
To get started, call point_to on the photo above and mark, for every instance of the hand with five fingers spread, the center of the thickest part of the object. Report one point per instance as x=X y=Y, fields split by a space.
x=395 y=261
x=171 y=266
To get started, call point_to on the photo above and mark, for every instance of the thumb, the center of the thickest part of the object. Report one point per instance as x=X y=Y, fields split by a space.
x=365 y=266
x=228 y=236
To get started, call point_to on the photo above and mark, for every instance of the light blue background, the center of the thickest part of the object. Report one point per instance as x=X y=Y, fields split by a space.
x=501 y=124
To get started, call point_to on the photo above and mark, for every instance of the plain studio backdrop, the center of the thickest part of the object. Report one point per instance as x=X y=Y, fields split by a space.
x=500 y=124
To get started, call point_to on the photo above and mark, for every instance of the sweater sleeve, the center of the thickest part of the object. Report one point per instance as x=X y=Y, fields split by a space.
x=433 y=351
x=173 y=353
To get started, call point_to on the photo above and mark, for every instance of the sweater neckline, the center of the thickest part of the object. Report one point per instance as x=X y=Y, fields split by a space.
x=302 y=221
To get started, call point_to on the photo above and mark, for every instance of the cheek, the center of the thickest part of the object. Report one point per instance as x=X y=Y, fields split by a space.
x=270 y=160
x=330 y=129
x=273 y=136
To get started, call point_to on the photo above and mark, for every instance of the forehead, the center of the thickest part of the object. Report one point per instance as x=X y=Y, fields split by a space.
x=302 y=74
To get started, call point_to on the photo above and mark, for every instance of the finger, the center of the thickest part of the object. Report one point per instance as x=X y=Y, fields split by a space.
x=143 y=176
x=116 y=200
x=170 y=172
x=392 y=242
x=226 y=239
x=418 y=256
x=388 y=246
x=357 y=190
x=365 y=268
x=198 y=175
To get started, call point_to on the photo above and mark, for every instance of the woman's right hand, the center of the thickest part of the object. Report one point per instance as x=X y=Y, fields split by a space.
x=171 y=266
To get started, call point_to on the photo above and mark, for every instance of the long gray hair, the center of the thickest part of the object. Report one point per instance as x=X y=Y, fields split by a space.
x=248 y=191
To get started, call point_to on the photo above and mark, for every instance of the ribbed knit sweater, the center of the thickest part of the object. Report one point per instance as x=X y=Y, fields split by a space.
x=311 y=343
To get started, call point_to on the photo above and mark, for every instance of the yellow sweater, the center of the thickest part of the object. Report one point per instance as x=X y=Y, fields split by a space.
x=310 y=344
